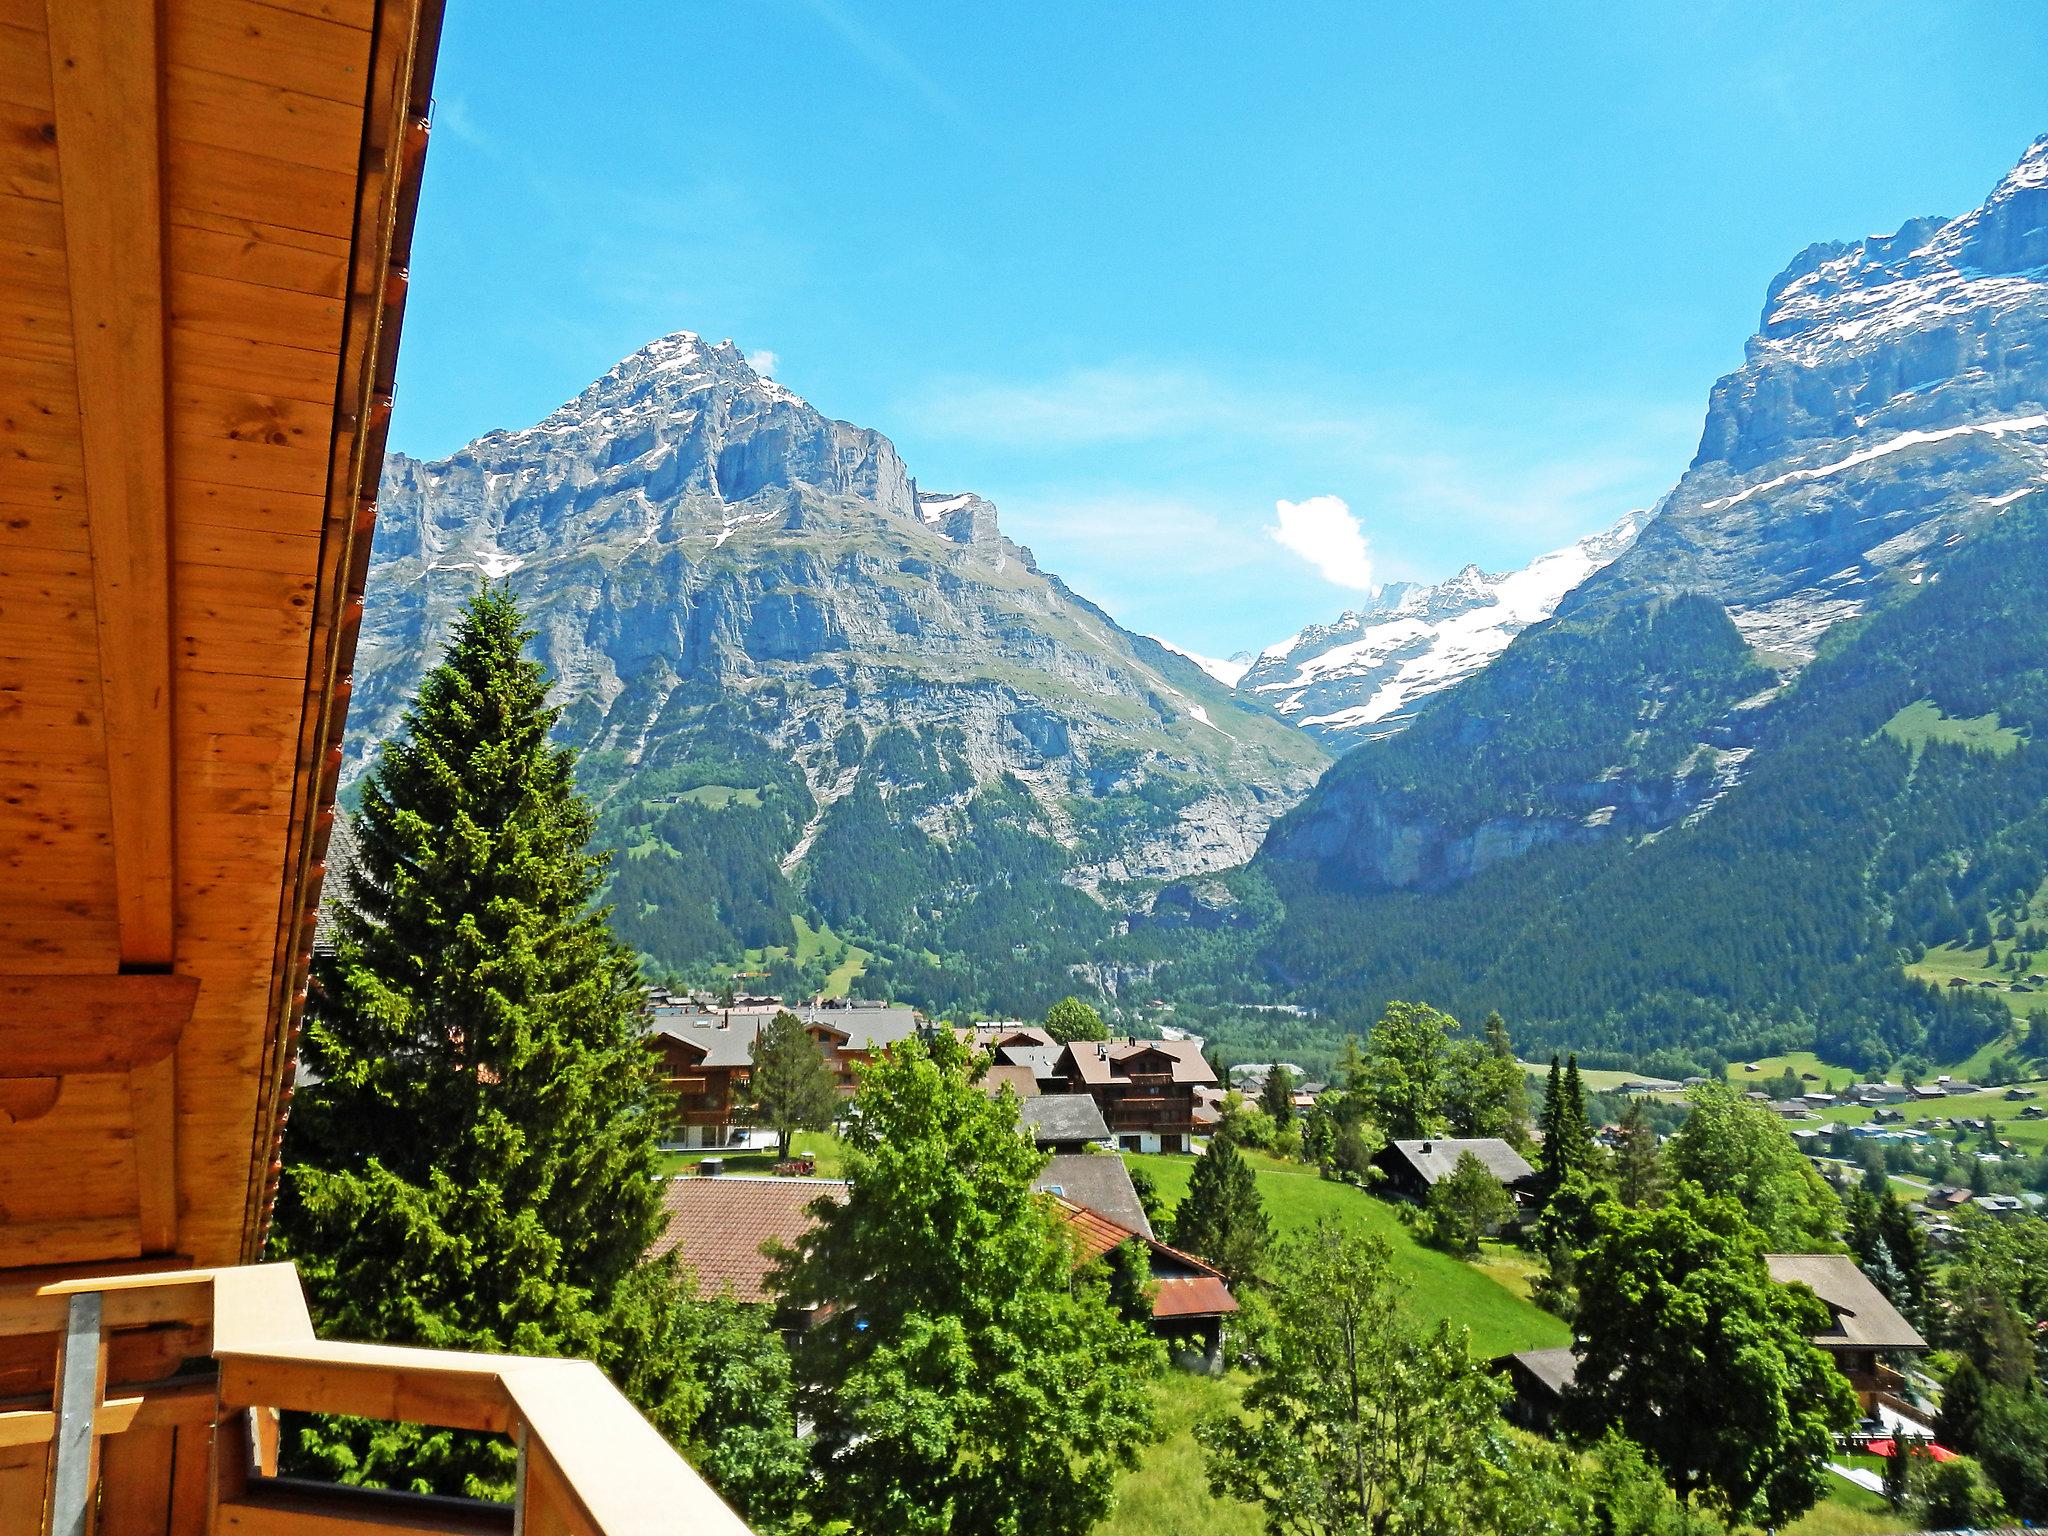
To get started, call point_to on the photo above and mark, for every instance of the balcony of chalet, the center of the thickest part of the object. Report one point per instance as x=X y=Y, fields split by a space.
x=206 y=216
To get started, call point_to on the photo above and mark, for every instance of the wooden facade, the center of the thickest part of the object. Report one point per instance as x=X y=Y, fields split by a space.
x=205 y=216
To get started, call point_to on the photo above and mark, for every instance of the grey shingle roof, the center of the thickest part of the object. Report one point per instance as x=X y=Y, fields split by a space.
x=1863 y=1318
x=1556 y=1369
x=1063 y=1117
x=1099 y=1181
x=1436 y=1158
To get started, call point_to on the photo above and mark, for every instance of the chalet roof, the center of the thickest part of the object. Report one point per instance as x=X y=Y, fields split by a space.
x=208 y=229
x=717 y=1226
x=1863 y=1318
x=990 y=1037
x=1043 y=1060
x=728 y=1038
x=1021 y=1081
x=1064 y=1117
x=1554 y=1370
x=1182 y=1285
x=1099 y=1181
x=1436 y=1158
x=1099 y=1063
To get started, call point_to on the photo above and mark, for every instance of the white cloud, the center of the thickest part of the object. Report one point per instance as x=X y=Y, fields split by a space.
x=1324 y=533
x=763 y=362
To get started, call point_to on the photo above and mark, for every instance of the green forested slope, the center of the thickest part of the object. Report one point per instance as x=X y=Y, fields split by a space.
x=1782 y=915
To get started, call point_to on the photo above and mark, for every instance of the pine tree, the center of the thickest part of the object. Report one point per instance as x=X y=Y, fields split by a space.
x=471 y=1166
x=1221 y=1218
x=1277 y=1097
x=790 y=1082
x=1567 y=1138
x=1639 y=1178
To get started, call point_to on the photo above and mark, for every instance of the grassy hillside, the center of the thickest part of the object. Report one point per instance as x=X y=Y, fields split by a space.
x=1438 y=1285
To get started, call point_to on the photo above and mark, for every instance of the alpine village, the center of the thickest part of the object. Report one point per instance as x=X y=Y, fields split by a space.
x=655 y=975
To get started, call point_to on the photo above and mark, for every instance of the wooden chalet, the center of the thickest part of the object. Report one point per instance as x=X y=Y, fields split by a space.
x=207 y=208
x=1146 y=1089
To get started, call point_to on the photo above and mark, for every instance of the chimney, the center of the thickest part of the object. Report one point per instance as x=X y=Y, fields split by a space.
x=1425 y=1146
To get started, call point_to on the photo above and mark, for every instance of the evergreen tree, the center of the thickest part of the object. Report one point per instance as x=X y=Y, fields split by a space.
x=1222 y=1218
x=1568 y=1146
x=1639 y=1178
x=1962 y=1407
x=961 y=1375
x=790 y=1083
x=1277 y=1097
x=471 y=1165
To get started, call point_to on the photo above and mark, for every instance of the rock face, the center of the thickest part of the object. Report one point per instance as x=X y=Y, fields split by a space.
x=707 y=557
x=1893 y=403
x=1894 y=397
x=1363 y=676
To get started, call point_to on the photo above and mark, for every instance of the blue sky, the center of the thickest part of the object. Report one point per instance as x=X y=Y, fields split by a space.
x=1139 y=273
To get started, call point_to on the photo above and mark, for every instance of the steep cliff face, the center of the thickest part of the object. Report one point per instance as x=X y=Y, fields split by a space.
x=1894 y=397
x=1893 y=403
x=733 y=589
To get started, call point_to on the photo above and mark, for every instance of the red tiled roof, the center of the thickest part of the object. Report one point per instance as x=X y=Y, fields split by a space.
x=717 y=1226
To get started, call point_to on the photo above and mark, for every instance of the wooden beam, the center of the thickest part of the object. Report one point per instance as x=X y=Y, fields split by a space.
x=153 y=1107
x=54 y=1025
x=106 y=72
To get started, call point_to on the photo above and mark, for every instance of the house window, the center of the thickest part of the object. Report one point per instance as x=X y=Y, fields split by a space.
x=1131 y=1143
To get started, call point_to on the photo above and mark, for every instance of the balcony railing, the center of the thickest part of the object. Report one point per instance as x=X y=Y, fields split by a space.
x=108 y=1441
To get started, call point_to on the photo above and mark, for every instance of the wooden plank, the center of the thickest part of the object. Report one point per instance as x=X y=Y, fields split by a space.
x=226 y=112
x=32 y=221
x=67 y=1024
x=24 y=64
x=415 y=1386
x=137 y=1474
x=252 y=311
x=191 y=1478
x=258 y=42
x=141 y=1297
x=153 y=1106
x=28 y=152
x=105 y=70
x=21 y=1488
x=54 y=528
x=245 y=251
x=236 y=360
x=246 y=183
x=201 y=504
x=312 y=1509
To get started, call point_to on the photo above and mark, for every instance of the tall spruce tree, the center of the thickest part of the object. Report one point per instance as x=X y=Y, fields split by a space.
x=790 y=1083
x=471 y=1165
x=1568 y=1146
x=1222 y=1217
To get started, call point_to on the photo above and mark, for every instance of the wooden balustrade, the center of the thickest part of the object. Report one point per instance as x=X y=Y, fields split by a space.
x=195 y=1453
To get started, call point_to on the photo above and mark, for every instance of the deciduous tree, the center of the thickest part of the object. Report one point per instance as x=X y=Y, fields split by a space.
x=1405 y=1069
x=1730 y=1146
x=1071 y=1019
x=1466 y=1205
x=962 y=1375
x=1688 y=1347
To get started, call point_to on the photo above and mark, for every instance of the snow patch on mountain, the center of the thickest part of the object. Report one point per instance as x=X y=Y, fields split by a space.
x=1362 y=676
x=1228 y=673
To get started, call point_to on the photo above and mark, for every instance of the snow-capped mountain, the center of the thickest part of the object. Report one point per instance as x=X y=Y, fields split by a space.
x=1361 y=677
x=1895 y=395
